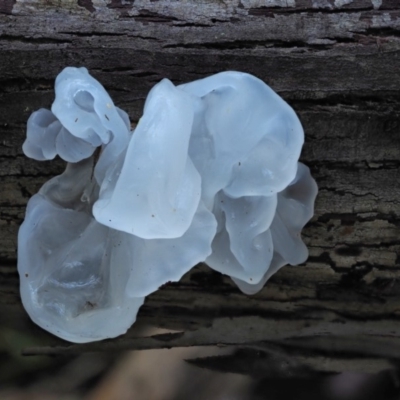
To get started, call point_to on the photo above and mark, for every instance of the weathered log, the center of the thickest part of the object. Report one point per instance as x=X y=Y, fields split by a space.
x=336 y=62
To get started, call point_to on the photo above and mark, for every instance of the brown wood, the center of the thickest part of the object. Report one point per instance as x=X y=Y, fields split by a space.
x=337 y=62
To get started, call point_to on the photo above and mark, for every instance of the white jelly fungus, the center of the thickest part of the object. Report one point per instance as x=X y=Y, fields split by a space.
x=210 y=173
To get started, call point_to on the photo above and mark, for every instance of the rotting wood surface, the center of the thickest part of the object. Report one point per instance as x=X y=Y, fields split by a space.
x=336 y=62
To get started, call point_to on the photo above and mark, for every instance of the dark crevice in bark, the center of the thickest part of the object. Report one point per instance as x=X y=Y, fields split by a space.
x=352 y=166
x=34 y=40
x=146 y=16
x=192 y=25
x=91 y=33
x=244 y=44
x=350 y=219
x=270 y=11
x=361 y=102
x=384 y=33
x=121 y=4
x=132 y=72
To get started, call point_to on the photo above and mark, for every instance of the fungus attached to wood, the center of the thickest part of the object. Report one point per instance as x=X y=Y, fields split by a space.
x=211 y=173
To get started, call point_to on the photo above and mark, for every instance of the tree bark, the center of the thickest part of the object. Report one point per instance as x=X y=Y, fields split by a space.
x=336 y=62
